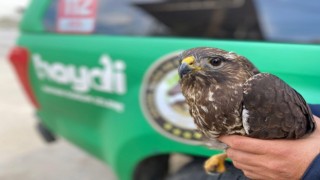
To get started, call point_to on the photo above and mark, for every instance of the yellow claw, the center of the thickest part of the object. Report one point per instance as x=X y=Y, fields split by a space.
x=215 y=164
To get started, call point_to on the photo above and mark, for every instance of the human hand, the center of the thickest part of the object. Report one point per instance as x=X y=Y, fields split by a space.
x=273 y=159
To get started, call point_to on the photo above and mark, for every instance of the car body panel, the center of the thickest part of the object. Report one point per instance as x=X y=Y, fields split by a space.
x=108 y=121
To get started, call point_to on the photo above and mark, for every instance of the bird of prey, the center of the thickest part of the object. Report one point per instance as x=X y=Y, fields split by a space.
x=227 y=95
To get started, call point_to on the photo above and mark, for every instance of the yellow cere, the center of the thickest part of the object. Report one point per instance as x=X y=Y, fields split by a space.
x=188 y=60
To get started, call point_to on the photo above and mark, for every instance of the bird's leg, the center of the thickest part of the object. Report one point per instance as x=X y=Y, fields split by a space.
x=215 y=164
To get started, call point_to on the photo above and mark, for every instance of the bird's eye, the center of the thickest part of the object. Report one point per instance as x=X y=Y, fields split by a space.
x=216 y=61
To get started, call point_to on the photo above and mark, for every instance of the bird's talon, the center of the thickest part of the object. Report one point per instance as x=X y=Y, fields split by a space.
x=215 y=164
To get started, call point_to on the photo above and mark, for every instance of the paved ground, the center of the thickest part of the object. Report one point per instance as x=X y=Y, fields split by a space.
x=23 y=155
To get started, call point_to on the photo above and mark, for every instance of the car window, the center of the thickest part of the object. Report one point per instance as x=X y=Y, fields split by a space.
x=225 y=19
x=112 y=17
x=290 y=20
x=163 y=18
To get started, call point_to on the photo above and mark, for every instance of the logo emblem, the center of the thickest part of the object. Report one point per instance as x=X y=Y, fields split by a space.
x=163 y=103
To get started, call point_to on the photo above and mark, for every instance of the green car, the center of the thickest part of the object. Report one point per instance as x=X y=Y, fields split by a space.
x=103 y=75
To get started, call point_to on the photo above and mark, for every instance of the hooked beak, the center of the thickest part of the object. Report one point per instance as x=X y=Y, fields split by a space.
x=186 y=66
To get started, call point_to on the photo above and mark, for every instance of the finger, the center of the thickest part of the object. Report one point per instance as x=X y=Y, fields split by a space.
x=248 y=159
x=252 y=172
x=316 y=120
x=244 y=167
x=254 y=175
x=247 y=144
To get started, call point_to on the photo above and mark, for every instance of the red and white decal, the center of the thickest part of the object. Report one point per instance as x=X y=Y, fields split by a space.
x=76 y=16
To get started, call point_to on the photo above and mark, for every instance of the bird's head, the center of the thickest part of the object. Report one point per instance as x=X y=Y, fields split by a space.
x=215 y=64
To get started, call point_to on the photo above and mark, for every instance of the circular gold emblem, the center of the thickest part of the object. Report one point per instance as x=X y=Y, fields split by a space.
x=163 y=103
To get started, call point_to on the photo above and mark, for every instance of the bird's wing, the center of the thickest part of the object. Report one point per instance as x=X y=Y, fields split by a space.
x=272 y=109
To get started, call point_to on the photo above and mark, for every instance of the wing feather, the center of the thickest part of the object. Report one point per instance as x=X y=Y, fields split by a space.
x=274 y=110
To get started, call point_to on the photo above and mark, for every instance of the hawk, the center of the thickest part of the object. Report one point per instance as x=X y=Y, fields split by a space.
x=227 y=95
